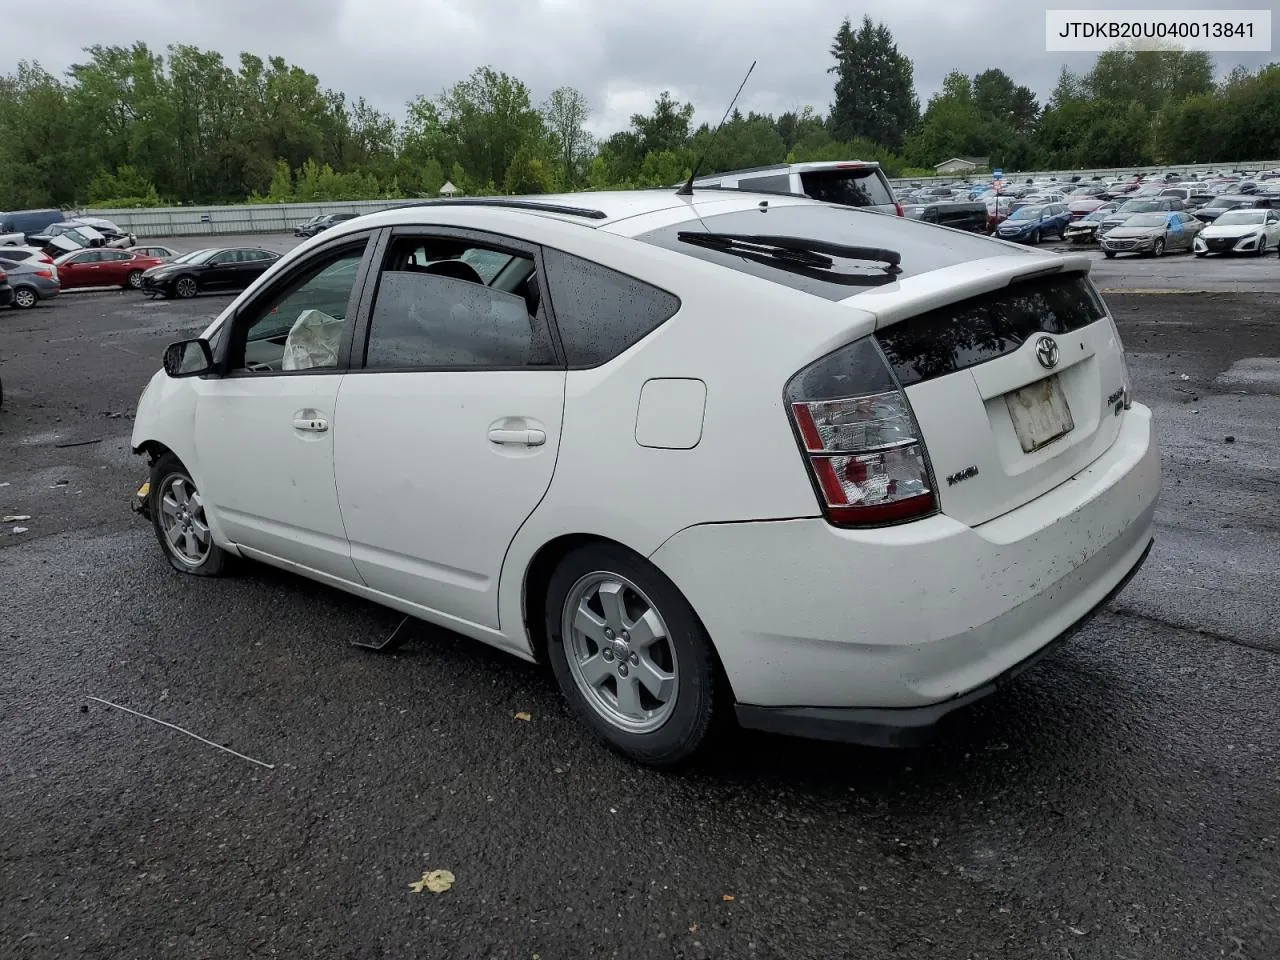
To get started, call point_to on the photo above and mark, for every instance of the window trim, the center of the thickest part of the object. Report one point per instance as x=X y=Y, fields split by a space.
x=237 y=319
x=516 y=246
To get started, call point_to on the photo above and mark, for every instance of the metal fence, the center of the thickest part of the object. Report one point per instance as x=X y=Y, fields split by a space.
x=278 y=217
x=230 y=219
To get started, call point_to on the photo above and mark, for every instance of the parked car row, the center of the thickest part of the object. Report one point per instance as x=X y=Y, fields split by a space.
x=34 y=276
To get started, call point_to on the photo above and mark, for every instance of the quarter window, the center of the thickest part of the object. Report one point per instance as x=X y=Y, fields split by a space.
x=449 y=303
x=601 y=312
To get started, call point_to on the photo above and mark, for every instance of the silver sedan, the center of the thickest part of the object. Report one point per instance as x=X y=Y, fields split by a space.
x=1152 y=234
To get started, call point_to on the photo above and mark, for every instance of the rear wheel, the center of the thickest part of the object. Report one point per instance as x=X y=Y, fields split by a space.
x=24 y=298
x=134 y=280
x=177 y=514
x=631 y=656
x=186 y=287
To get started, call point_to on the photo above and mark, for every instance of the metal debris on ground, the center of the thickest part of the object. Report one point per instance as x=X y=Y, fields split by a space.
x=174 y=726
x=16 y=518
x=436 y=881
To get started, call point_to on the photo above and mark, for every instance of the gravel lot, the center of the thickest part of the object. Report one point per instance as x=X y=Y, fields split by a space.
x=1121 y=801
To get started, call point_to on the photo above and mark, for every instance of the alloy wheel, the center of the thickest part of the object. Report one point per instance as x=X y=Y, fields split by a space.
x=620 y=653
x=185 y=287
x=186 y=531
x=135 y=279
x=24 y=298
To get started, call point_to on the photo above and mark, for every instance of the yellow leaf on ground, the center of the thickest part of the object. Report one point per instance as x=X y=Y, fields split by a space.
x=524 y=716
x=437 y=881
x=727 y=898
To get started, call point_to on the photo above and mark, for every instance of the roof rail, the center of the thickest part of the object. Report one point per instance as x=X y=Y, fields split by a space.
x=534 y=205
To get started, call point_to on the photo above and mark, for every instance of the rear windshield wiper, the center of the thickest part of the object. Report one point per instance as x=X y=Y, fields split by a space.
x=799 y=251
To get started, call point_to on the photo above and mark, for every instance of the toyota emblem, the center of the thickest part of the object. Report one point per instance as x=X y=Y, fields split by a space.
x=1047 y=352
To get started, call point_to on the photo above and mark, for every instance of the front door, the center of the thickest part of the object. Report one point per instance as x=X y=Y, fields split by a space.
x=222 y=271
x=450 y=431
x=265 y=431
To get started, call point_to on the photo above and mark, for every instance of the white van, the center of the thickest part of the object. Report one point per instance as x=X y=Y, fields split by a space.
x=855 y=183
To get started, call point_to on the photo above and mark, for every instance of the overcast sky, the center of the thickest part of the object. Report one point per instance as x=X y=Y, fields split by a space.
x=620 y=53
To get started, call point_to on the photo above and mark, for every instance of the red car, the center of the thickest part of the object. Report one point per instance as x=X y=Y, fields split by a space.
x=103 y=267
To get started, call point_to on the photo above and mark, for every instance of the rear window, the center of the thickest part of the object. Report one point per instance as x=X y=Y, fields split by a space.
x=864 y=187
x=979 y=329
x=923 y=248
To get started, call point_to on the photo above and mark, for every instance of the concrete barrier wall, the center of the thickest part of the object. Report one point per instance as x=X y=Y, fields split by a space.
x=278 y=217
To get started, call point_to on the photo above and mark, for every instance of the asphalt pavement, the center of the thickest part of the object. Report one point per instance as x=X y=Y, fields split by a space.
x=1119 y=802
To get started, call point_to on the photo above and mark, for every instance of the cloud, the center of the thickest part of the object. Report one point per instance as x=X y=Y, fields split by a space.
x=620 y=55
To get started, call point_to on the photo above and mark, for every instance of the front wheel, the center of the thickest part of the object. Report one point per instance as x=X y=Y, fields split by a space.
x=1157 y=248
x=186 y=287
x=177 y=514
x=134 y=280
x=1109 y=254
x=1199 y=253
x=1035 y=238
x=631 y=656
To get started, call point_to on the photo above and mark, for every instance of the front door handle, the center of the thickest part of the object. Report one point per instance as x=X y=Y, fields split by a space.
x=529 y=438
x=311 y=424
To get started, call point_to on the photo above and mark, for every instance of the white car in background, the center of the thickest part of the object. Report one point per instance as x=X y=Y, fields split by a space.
x=839 y=474
x=1240 y=231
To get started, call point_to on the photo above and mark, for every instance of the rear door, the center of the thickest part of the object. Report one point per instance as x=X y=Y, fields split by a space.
x=1015 y=391
x=450 y=419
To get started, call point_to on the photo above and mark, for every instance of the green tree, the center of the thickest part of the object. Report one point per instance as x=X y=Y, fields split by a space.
x=486 y=119
x=565 y=115
x=874 y=93
x=526 y=173
x=998 y=98
x=666 y=128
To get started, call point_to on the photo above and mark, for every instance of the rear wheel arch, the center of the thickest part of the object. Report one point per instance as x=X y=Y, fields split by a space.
x=537 y=580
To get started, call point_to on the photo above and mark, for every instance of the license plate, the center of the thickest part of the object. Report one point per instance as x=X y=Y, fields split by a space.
x=1040 y=413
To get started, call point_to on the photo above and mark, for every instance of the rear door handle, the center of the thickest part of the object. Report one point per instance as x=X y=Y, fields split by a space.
x=529 y=438
x=311 y=424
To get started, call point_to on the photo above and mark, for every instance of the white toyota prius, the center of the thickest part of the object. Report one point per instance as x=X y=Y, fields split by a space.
x=830 y=472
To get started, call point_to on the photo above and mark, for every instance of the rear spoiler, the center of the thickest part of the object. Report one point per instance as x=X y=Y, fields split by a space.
x=938 y=288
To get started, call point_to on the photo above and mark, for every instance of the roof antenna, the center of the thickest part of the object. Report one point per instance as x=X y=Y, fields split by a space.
x=687 y=189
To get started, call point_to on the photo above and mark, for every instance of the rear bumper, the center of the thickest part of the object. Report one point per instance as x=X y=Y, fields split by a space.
x=904 y=726
x=806 y=615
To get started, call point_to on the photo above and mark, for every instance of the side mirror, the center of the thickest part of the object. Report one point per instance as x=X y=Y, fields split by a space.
x=188 y=358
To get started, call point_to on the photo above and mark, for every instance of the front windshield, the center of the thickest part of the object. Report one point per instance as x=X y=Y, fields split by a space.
x=1027 y=213
x=1146 y=220
x=1139 y=206
x=1222 y=203
x=1242 y=217
x=196 y=256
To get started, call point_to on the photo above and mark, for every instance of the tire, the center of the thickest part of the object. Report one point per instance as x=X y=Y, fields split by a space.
x=1157 y=248
x=1262 y=248
x=24 y=298
x=1109 y=254
x=1035 y=237
x=1200 y=253
x=665 y=727
x=185 y=287
x=134 y=280
x=177 y=516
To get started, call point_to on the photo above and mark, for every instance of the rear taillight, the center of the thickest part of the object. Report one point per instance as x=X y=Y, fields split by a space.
x=860 y=439
x=47 y=274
